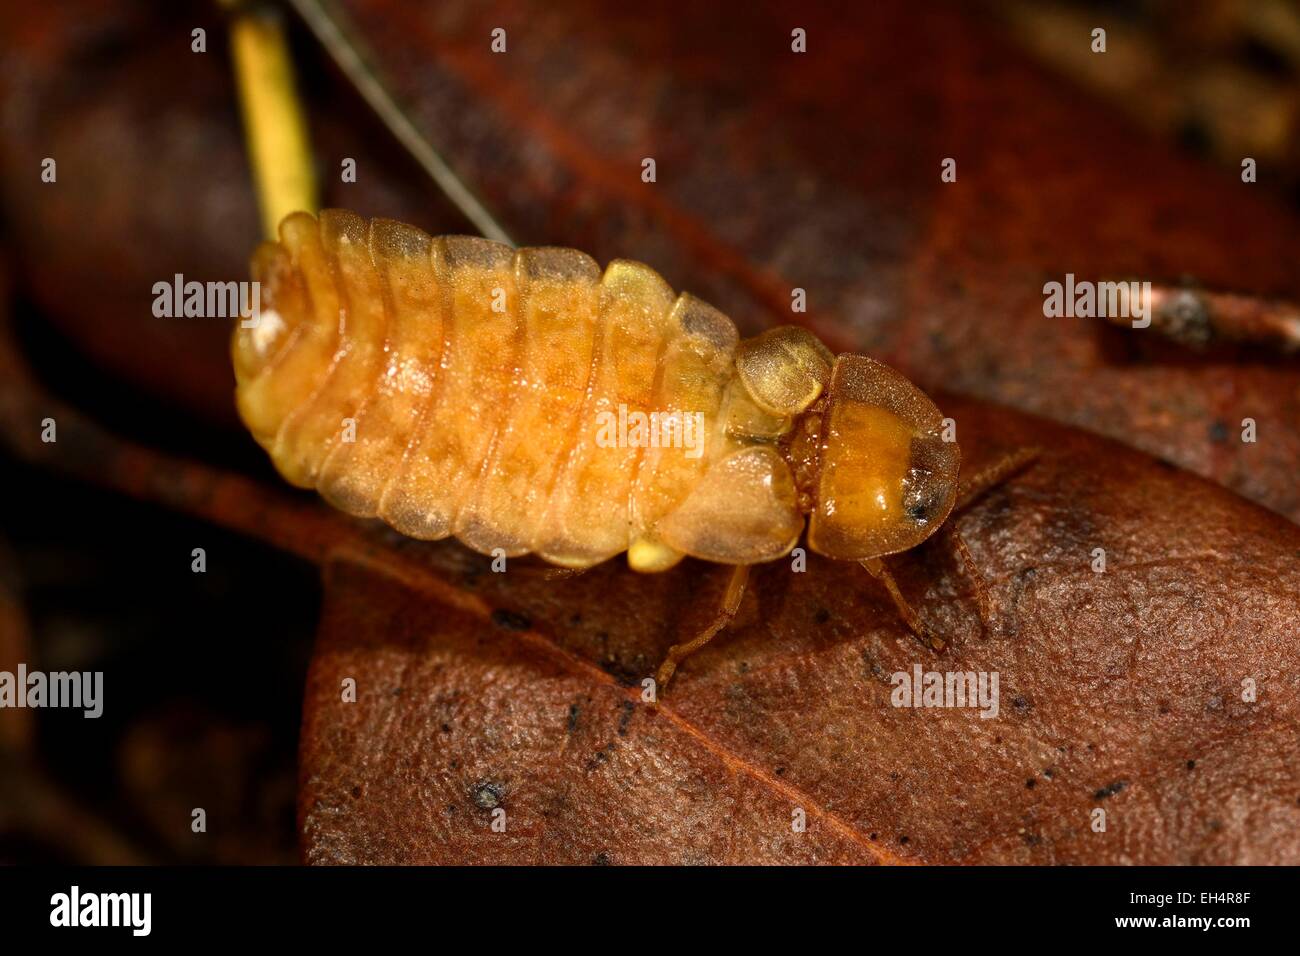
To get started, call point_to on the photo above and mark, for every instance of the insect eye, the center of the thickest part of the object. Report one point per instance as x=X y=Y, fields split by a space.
x=920 y=497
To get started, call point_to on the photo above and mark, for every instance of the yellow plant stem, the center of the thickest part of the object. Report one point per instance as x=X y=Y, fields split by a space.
x=274 y=126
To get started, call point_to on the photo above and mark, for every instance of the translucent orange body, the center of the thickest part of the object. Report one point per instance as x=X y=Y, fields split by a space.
x=526 y=401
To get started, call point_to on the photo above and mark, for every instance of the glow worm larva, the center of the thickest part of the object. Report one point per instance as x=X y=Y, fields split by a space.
x=526 y=401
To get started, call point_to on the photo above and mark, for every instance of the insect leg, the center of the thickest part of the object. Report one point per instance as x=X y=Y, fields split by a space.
x=731 y=598
x=881 y=573
x=976 y=576
x=992 y=475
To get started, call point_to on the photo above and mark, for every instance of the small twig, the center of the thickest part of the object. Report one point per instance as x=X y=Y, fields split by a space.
x=1199 y=319
x=328 y=26
x=274 y=126
x=32 y=803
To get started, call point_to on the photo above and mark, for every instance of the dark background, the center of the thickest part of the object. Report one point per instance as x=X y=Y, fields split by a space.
x=204 y=673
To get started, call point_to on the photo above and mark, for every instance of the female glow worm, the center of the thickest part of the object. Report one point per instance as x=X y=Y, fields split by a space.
x=454 y=386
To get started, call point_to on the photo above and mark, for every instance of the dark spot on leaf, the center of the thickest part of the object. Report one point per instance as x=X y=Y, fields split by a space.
x=627 y=673
x=625 y=718
x=1110 y=790
x=601 y=757
x=487 y=795
x=600 y=859
x=1194 y=136
x=510 y=621
x=874 y=667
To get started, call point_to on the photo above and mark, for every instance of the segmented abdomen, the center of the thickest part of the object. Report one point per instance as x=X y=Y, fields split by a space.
x=452 y=386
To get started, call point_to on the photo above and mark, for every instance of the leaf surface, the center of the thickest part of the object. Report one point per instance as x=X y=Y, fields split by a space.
x=1120 y=691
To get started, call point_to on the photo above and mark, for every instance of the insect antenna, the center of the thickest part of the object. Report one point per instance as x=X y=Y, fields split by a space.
x=990 y=476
